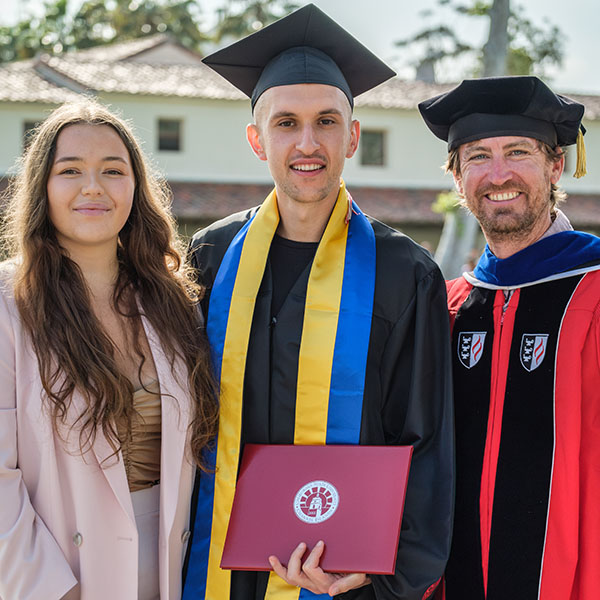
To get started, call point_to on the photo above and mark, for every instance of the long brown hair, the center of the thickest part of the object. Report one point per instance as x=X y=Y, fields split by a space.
x=54 y=303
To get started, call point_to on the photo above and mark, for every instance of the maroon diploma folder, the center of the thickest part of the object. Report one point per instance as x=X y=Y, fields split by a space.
x=351 y=497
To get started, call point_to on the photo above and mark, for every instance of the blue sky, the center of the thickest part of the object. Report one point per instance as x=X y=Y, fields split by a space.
x=377 y=23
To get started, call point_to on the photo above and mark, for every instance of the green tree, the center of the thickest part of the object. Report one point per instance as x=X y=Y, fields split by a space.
x=91 y=25
x=100 y=22
x=32 y=35
x=238 y=18
x=434 y=46
x=530 y=48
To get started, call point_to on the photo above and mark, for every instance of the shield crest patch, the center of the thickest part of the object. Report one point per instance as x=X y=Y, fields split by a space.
x=533 y=350
x=470 y=347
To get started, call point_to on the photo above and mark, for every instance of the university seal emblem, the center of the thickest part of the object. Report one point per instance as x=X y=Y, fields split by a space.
x=316 y=501
x=470 y=347
x=533 y=350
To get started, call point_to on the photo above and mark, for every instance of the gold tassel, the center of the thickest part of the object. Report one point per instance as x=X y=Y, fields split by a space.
x=580 y=168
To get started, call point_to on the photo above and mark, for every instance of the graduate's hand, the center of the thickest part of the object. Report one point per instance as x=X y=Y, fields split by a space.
x=310 y=575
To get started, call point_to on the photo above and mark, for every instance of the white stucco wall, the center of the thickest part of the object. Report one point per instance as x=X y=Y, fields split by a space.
x=413 y=156
x=12 y=117
x=215 y=148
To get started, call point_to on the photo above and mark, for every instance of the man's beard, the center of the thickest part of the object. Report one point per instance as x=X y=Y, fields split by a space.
x=502 y=222
x=505 y=222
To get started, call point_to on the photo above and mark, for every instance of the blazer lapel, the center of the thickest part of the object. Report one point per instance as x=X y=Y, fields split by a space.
x=175 y=420
x=109 y=464
x=114 y=472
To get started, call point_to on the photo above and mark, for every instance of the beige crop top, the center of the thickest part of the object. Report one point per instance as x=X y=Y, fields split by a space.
x=141 y=449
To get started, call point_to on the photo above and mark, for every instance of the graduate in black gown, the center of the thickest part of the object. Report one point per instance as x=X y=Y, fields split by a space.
x=326 y=326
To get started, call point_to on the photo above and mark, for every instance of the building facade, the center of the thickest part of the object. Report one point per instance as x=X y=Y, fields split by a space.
x=192 y=125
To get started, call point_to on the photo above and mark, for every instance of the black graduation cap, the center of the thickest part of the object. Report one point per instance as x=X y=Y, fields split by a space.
x=307 y=46
x=500 y=106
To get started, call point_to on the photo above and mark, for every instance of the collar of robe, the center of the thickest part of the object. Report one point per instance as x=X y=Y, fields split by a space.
x=557 y=255
x=331 y=366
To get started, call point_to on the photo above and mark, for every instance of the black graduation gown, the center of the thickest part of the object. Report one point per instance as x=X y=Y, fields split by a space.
x=407 y=392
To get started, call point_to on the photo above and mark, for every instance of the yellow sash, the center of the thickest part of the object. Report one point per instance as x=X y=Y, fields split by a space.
x=316 y=350
x=314 y=368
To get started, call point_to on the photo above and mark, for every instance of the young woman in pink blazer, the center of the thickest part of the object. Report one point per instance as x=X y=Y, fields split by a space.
x=106 y=398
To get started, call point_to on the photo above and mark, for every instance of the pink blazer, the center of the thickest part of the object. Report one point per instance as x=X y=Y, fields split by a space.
x=67 y=526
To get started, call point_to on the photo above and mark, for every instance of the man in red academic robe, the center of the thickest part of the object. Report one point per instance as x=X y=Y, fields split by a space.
x=526 y=346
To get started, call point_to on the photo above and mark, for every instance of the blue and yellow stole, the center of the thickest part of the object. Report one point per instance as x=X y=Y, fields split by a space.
x=331 y=367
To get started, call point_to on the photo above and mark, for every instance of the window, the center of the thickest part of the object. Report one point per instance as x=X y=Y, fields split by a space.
x=372 y=148
x=28 y=130
x=169 y=135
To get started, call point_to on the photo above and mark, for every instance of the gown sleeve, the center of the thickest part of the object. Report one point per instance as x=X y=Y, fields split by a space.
x=417 y=410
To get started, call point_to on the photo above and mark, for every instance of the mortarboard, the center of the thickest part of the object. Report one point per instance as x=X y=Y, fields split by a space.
x=502 y=106
x=307 y=46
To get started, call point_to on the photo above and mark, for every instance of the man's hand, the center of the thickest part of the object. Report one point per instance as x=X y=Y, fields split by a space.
x=310 y=575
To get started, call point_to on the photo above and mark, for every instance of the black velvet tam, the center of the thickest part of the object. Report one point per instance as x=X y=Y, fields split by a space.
x=501 y=106
x=307 y=46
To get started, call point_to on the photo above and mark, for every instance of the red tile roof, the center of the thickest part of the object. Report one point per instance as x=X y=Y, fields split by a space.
x=117 y=68
x=212 y=201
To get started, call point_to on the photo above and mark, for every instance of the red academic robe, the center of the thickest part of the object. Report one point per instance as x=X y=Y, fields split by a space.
x=527 y=403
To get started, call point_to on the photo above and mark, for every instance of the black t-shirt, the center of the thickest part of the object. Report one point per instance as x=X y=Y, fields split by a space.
x=288 y=259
